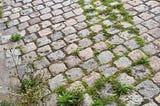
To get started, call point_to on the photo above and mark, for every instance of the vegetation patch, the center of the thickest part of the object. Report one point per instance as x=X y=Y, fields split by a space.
x=15 y=37
x=69 y=98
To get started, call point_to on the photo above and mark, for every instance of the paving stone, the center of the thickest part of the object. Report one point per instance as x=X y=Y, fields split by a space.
x=58 y=44
x=70 y=48
x=81 y=26
x=26 y=11
x=132 y=99
x=74 y=73
x=116 y=40
x=112 y=30
x=147 y=38
x=56 y=36
x=87 y=100
x=132 y=44
x=57 y=55
x=157 y=98
x=46 y=16
x=126 y=35
x=80 y=18
x=72 y=61
x=154 y=62
x=150 y=24
x=148 y=89
x=150 y=104
x=150 y=49
x=44 y=72
x=71 y=38
x=43 y=41
x=86 y=54
x=33 y=28
x=45 y=50
x=156 y=10
x=45 y=10
x=99 y=37
x=70 y=22
x=57 y=12
x=23 y=26
x=29 y=47
x=126 y=79
x=51 y=100
x=146 y=15
x=123 y=62
x=10 y=63
x=68 y=14
x=56 y=81
x=40 y=64
x=85 y=42
x=120 y=50
x=91 y=78
x=77 y=85
x=107 y=70
x=155 y=32
x=30 y=57
x=141 y=8
x=106 y=91
x=24 y=18
x=67 y=9
x=58 y=27
x=45 y=32
x=137 y=20
x=57 y=19
x=105 y=56
x=11 y=52
x=30 y=38
x=140 y=72
x=34 y=21
x=57 y=68
x=96 y=28
x=13 y=23
x=84 y=32
x=89 y=65
x=136 y=54
x=152 y=3
x=156 y=78
x=100 y=46
x=107 y=22
x=69 y=30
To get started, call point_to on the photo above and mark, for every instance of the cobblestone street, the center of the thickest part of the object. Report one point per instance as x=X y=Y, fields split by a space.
x=75 y=42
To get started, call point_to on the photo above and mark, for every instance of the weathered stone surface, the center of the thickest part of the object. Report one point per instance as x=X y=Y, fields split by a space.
x=155 y=63
x=156 y=78
x=107 y=90
x=45 y=50
x=57 y=68
x=123 y=62
x=132 y=99
x=72 y=61
x=140 y=71
x=56 y=81
x=91 y=78
x=57 y=55
x=86 y=54
x=105 y=56
x=58 y=44
x=136 y=54
x=126 y=79
x=107 y=71
x=74 y=73
x=87 y=100
x=148 y=89
x=70 y=48
x=89 y=65
x=120 y=50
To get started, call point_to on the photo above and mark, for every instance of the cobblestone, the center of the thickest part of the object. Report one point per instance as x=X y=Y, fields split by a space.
x=73 y=43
